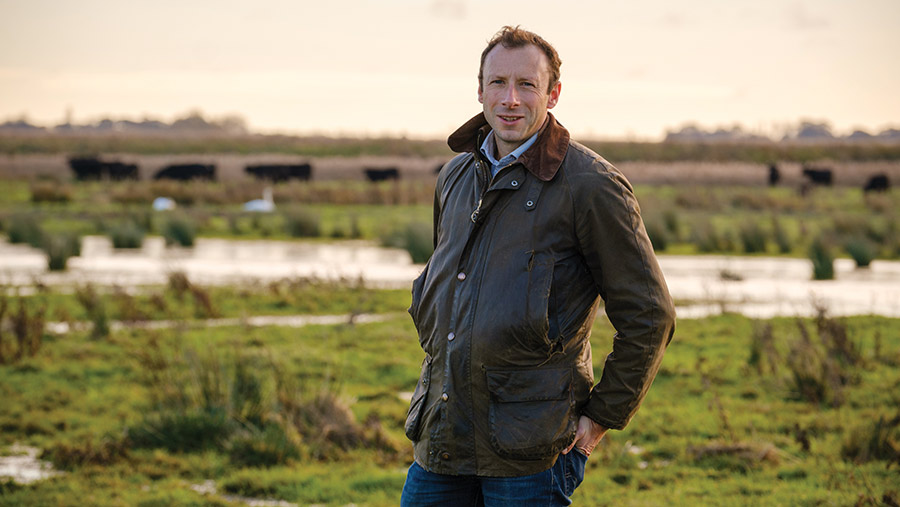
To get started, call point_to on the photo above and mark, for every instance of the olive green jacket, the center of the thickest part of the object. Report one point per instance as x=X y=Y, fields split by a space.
x=505 y=305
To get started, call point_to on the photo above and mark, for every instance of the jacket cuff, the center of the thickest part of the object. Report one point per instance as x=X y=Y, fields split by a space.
x=590 y=411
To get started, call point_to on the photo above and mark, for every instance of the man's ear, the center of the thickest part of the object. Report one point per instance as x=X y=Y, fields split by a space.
x=480 y=93
x=554 y=95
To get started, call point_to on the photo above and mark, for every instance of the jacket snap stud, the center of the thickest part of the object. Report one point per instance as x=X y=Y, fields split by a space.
x=461 y=276
x=529 y=203
x=514 y=183
x=445 y=455
x=445 y=397
x=451 y=336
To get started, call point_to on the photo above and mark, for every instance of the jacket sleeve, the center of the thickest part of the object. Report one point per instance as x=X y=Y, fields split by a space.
x=626 y=273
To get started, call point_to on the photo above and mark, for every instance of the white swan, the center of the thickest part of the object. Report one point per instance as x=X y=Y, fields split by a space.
x=264 y=205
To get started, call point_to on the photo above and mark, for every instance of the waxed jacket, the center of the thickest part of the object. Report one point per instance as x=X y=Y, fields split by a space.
x=505 y=305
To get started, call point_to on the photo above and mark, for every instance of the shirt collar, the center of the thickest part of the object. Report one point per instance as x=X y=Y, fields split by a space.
x=488 y=148
x=543 y=159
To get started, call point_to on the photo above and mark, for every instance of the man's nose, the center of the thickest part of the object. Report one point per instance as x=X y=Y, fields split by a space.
x=511 y=97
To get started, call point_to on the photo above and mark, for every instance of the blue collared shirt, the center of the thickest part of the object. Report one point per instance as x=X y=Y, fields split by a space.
x=488 y=147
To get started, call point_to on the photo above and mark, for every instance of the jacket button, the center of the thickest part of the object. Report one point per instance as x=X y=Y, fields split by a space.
x=445 y=397
x=461 y=277
x=445 y=456
x=451 y=336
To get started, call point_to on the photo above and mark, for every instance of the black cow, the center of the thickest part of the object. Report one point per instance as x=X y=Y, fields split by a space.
x=89 y=168
x=280 y=172
x=878 y=183
x=184 y=172
x=774 y=175
x=375 y=174
x=119 y=171
x=818 y=176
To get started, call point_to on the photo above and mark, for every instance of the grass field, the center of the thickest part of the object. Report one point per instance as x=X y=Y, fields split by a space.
x=743 y=412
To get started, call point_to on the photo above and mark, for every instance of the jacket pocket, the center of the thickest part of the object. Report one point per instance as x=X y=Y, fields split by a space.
x=418 y=287
x=537 y=297
x=531 y=412
x=417 y=404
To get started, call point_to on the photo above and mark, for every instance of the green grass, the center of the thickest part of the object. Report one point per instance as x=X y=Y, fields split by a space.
x=77 y=396
x=284 y=297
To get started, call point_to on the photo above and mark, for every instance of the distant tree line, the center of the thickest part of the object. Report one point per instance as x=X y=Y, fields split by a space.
x=803 y=132
x=193 y=122
x=194 y=134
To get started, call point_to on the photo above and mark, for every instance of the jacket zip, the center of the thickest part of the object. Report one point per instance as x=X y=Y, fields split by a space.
x=484 y=185
x=476 y=212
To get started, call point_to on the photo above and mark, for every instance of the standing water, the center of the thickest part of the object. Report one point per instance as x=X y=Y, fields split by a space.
x=758 y=287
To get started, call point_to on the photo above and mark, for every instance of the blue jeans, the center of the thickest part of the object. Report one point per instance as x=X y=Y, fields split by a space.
x=550 y=487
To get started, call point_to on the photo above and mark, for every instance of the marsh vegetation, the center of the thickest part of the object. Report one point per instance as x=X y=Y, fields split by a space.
x=774 y=412
x=140 y=400
x=821 y=224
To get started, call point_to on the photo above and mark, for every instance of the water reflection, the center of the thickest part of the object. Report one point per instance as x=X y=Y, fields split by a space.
x=758 y=287
x=764 y=287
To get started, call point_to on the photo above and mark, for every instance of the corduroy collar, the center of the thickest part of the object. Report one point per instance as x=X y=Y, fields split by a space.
x=542 y=159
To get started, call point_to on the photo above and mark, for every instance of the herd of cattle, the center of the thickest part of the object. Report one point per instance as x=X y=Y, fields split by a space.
x=95 y=169
x=814 y=175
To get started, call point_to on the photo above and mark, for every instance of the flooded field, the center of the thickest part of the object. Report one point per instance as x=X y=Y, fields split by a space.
x=702 y=285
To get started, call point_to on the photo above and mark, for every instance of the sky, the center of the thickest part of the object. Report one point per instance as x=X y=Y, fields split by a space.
x=631 y=69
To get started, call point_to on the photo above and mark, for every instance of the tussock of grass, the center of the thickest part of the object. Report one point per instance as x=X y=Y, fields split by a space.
x=822 y=260
x=416 y=238
x=302 y=223
x=870 y=441
x=24 y=228
x=51 y=192
x=739 y=456
x=27 y=326
x=127 y=235
x=179 y=230
x=247 y=403
x=72 y=455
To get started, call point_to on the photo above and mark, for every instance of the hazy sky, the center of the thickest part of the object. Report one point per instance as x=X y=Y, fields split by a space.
x=630 y=68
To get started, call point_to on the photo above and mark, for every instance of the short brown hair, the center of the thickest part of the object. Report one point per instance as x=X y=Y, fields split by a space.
x=515 y=37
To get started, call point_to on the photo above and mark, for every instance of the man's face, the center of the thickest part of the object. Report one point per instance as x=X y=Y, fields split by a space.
x=514 y=94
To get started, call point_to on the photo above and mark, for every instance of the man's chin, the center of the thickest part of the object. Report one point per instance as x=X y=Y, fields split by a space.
x=510 y=136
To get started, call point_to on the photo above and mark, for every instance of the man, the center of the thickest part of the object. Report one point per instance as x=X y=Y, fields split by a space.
x=530 y=230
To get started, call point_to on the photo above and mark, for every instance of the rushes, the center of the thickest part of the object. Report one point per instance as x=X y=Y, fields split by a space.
x=874 y=440
x=303 y=223
x=753 y=237
x=818 y=367
x=414 y=237
x=179 y=230
x=127 y=234
x=24 y=229
x=59 y=247
x=245 y=402
x=95 y=307
x=27 y=330
x=822 y=260
x=862 y=251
